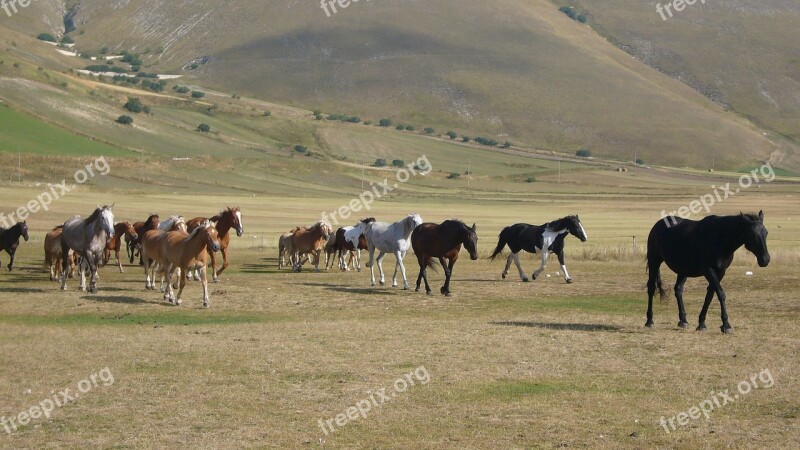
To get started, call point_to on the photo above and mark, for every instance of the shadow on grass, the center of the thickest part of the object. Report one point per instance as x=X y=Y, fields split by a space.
x=560 y=326
x=111 y=299
x=364 y=291
x=20 y=290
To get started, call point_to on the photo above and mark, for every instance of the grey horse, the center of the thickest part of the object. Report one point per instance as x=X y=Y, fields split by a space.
x=392 y=238
x=87 y=238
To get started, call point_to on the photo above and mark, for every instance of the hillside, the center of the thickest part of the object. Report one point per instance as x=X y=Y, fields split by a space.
x=516 y=70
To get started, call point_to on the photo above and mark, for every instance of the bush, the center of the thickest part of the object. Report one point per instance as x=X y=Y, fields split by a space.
x=198 y=94
x=507 y=144
x=486 y=141
x=319 y=117
x=367 y=122
x=452 y=134
x=410 y=128
x=334 y=117
x=204 y=127
x=67 y=40
x=572 y=14
x=132 y=59
x=583 y=153
x=640 y=162
x=385 y=122
x=398 y=163
x=300 y=148
x=125 y=120
x=454 y=175
x=354 y=119
x=152 y=85
x=47 y=37
x=317 y=112
x=400 y=127
x=465 y=139
x=134 y=105
x=380 y=162
x=267 y=113
x=429 y=130
x=181 y=89
x=530 y=180
x=104 y=51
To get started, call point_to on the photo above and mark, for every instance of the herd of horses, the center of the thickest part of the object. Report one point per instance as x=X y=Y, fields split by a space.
x=180 y=250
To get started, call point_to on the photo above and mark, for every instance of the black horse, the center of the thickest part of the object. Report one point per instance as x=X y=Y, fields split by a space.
x=702 y=248
x=544 y=239
x=9 y=240
x=443 y=241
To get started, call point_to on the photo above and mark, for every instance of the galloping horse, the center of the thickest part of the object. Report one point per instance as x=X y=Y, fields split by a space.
x=134 y=245
x=88 y=238
x=52 y=254
x=223 y=222
x=311 y=241
x=544 y=239
x=444 y=242
x=152 y=247
x=702 y=248
x=183 y=252
x=392 y=238
x=9 y=240
x=120 y=229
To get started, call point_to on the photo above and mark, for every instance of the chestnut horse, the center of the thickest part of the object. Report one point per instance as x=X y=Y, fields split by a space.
x=152 y=246
x=310 y=240
x=135 y=245
x=444 y=242
x=189 y=252
x=285 y=249
x=229 y=218
x=52 y=254
x=120 y=229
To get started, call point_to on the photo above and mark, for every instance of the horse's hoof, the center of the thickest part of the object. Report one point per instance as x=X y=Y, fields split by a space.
x=430 y=292
x=569 y=280
x=684 y=325
x=701 y=327
x=178 y=302
x=444 y=291
x=216 y=280
x=93 y=290
x=503 y=275
x=728 y=330
x=526 y=280
x=448 y=294
x=416 y=290
x=383 y=283
x=650 y=324
x=534 y=277
x=64 y=288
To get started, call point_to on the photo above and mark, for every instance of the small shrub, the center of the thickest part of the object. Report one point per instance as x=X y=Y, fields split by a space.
x=198 y=94
x=410 y=128
x=465 y=138
x=367 y=122
x=454 y=175
x=267 y=113
x=640 y=162
x=398 y=163
x=319 y=117
x=507 y=144
x=47 y=37
x=204 y=127
x=125 y=120
x=400 y=127
x=317 y=112
x=530 y=180
x=452 y=134
x=134 y=105
x=380 y=162
x=385 y=122
x=429 y=130
x=354 y=119
x=67 y=40
x=583 y=153
x=182 y=89
x=300 y=148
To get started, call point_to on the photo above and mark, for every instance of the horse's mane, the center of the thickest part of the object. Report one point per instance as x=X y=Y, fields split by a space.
x=94 y=215
x=202 y=226
x=368 y=220
x=552 y=226
x=150 y=220
x=60 y=227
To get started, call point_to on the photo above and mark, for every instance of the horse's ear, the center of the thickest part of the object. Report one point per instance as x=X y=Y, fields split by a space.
x=474 y=227
x=112 y=206
x=761 y=215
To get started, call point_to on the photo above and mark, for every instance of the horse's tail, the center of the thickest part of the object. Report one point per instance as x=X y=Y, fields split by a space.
x=501 y=244
x=654 y=262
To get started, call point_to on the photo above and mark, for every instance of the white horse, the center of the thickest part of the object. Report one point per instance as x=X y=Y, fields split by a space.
x=390 y=238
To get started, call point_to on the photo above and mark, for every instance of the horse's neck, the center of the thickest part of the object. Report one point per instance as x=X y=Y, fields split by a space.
x=195 y=243
x=223 y=226
x=730 y=233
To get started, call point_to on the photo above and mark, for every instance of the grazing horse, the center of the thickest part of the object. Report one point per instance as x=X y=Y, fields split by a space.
x=52 y=254
x=310 y=240
x=229 y=218
x=120 y=229
x=392 y=238
x=544 y=239
x=88 y=238
x=152 y=246
x=141 y=228
x=702 y=248
x=443 y=241
x=183 y=252
x=9 y=240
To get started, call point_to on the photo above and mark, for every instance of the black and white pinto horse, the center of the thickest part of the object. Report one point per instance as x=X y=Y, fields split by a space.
x=542 y=240
x=702 y=248
x=9 y=240
x=87 y=238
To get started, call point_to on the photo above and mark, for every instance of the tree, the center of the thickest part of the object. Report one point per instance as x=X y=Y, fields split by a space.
x=410 y=128
x=380 y=162
x=198 y=94
x=454 y=175
x=400 y=127
x=398 y=163
x=125 y=120
x=204 y=127
x=319 y=117
x=429 y=130
x=465 y=138
x=134 y=105
x=385 y=122
x=47 y=37
x=583 y=153
x=640 y=162
x=182 y=89
x=67 y=40
x=300 y=148
x=452 y=134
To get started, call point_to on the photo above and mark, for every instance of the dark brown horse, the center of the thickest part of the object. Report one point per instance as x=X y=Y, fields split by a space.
x=135 y=245
x=115 y=244
x=229 y=218
x=444 y=242
x=9 y=240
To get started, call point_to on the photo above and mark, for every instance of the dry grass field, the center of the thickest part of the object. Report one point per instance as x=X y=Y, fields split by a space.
x=509 y=364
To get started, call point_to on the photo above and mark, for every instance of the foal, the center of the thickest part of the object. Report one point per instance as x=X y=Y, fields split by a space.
x=120 y=229
x=444 y=242
x=52 y=254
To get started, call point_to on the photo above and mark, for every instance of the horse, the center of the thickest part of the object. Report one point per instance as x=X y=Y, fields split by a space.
x=348 y=240
x=152 y=245
x=229 y=218
x=443 y=241
x=544 y=239
x=134 y=245
x=9 y=240
x=120 y=229
x=52 y=254
x=392 y=238
x=88 y=238
x=183 y=252
x=285 y=250
x=702 y=248
x=310 y=240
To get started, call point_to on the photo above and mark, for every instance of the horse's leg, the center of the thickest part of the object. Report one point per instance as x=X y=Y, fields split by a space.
x=701 y=325
x=82 y=270
x=65 y=262
x=539 y=271
x=204 y=280
x=182 y=279
x=224 y=251
x=94 y=276
x=12 y=253
x=400 y=257
x=379 y=260
x=422 y=267
x=715 y=280
x=679 y=297
x=445 y=290
x=358 y=260
x=119 y=262
x=169 y=294
x=560 y=255
x=519 y=267
x=509 y=260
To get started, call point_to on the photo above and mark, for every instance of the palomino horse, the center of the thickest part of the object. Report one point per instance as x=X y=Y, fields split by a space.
x=135 y=245
x=152 y=246
x=184 y=252
x=120 y=229
x=52 y=254
x=444 y=242
x=9 y=240
x=390 y=238
x=544 y=240
x=702 y=248
x=311 y=241
x=229 y=218
x=88 y=238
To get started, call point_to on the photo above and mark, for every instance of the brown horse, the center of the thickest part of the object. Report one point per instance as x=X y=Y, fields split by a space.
x=311 y=241
x=52 y=254
x=444 y=242
x=152 y=248
x=229 y=218
x=114 y=244
x=189 y=252
x=135 y=245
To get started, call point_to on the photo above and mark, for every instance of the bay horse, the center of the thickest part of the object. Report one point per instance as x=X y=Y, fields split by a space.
x=152 y=247
x=183 y=252
x=543 y=239
x=309 y=241
x=135 y=245
x=87 y=238
x=443 y=241
x=227 y=219
x=52 y=254
x=392 y=238
x=121 y=229
x=9 y=240
x=702 y=248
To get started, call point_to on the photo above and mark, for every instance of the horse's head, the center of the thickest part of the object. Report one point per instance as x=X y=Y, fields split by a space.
x=361 y=226
x=575 y=228
x=234 y=215
x=212 y=236
x=107 y=219
x=471 y=240
x=326 y=230
x=23 y=230
x=130 y=231
x=413 y=221
x=755 y=239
